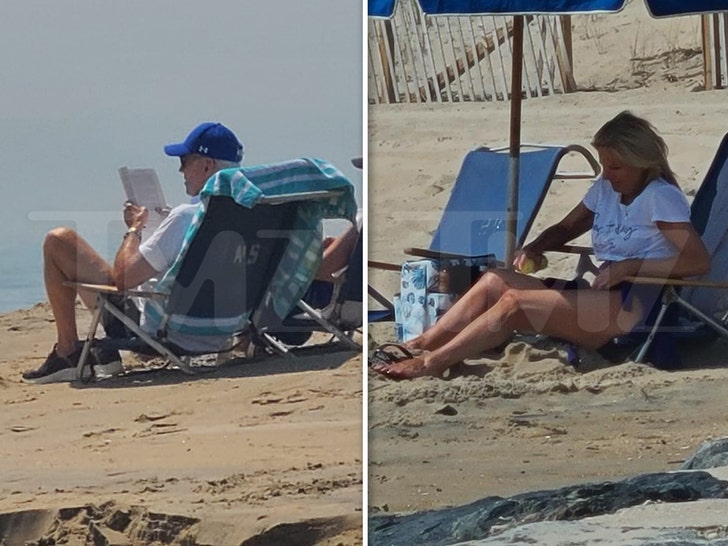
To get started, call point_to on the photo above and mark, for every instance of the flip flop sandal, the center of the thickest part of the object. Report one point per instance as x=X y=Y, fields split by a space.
x=390 y=353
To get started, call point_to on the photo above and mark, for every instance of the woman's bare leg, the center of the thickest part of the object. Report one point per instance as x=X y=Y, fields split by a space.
x=588 y=318
x=67 y=257
x=477 y=300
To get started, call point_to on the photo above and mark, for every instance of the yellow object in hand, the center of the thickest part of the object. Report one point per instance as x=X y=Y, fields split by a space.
x=531 y=266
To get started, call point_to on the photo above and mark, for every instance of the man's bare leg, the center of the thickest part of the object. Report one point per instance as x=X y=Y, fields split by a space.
x=68 y=257
x=336 y=253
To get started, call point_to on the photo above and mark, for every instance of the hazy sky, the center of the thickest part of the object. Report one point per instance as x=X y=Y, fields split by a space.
x=91 y=85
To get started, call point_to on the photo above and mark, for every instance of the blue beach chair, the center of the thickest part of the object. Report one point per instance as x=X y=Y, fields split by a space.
x=473 y=225
x=694 y=309
x=251 y=252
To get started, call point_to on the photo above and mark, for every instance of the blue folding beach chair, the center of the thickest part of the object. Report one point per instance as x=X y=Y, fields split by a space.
x=693 y=309
x=473 y=225
x=251 y=252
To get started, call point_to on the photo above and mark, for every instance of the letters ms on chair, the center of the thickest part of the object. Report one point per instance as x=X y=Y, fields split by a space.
x=221 y=277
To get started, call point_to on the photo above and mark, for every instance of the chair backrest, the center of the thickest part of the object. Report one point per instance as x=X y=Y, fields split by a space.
x=229 y=264
x=474 y=222
x=352 y=288
x=708 y=214
x=253 y=244
x=715 y=181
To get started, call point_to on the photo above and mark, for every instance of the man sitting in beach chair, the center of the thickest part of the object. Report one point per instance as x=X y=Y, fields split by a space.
x=333 y=301
x=335 y=278
x=68 y=258
x=209 y=148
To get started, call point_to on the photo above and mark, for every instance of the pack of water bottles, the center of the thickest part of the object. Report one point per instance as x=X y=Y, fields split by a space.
x=420 y=301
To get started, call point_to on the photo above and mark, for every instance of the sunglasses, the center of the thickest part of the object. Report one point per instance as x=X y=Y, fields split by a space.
x=188 y=159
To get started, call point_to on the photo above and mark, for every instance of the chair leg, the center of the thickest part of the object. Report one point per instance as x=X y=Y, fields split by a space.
x=276 y=345
x=669 y=296
x=651 y=336
x=331 y=328
x=378 y=297
x=90 y=336
x=154 y=344
x=718 y=327
x=224 y=354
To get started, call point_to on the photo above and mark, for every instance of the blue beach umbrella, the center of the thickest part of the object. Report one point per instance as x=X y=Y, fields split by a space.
x=518 y=9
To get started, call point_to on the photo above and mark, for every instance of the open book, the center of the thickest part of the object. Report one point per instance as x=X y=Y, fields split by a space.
x=142 y=188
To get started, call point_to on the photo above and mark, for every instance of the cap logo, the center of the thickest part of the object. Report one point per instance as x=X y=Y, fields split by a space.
x=202 y=149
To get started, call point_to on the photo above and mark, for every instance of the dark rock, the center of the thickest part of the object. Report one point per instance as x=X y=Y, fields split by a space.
x=490 y=515
x=710 y=454
x=119 y=520
x=447 y=410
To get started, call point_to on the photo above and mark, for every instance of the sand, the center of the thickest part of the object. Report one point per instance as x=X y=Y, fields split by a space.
x=218 y=458
x=270 y=450
x=524 y=419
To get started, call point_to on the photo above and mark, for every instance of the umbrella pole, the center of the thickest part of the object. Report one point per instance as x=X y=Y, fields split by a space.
x=515 y=140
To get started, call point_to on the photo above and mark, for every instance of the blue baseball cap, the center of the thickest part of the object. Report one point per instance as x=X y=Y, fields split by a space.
x=209 y=139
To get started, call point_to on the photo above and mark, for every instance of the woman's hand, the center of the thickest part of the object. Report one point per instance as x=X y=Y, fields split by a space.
x=523 y=255
x=135 y=216
x=615 y=273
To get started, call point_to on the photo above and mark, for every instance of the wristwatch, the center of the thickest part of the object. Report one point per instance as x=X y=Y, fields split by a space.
x=135 y=231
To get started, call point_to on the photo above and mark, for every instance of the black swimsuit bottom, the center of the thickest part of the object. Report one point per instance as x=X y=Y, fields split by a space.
x=650 y=296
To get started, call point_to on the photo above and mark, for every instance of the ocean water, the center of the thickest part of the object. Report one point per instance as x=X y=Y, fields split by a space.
x=21 y=268
x=67 y=127
x=21 y=278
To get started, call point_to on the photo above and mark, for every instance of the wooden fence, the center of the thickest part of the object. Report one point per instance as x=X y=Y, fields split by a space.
x=417 y=58
x=715 y=50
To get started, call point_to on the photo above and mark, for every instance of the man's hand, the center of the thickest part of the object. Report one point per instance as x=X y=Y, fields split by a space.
x=135 y=216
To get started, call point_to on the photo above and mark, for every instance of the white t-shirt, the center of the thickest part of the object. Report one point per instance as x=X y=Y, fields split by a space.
x=161 y=250
x=622 y=231
x=163 y=246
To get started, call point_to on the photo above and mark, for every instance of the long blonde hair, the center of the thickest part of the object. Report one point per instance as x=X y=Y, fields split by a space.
x=637 y=143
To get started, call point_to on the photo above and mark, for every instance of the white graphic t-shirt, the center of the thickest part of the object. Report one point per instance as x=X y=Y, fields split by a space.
x=622 y=231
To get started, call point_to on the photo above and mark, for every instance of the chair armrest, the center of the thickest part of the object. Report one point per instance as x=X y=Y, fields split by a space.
x=675 y=282
x=110 y=289
x=427 y=253
x=438 y=255
x=384 y=266
x=585 y=264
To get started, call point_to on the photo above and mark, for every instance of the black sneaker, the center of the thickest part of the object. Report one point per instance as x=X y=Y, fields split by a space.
x=57 y=368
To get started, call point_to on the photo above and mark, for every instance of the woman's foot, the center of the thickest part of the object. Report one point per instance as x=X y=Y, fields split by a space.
x=405 y=369
x=394 y=352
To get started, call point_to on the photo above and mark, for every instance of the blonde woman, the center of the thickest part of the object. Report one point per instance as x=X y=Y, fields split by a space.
x=640 y=225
